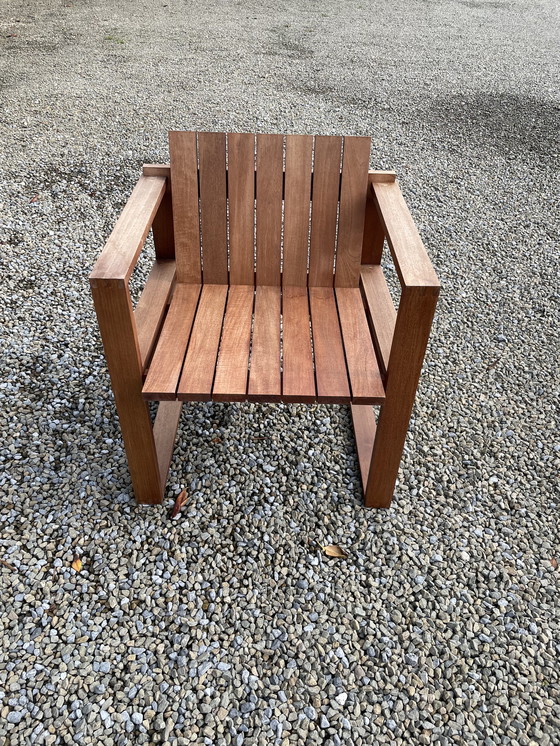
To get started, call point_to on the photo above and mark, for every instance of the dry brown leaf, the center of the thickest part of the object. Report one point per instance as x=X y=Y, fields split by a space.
x=7 y=564
x=554 y=562
x=77 y=564
x=180 y=502
x=35 y=198
x=216 y=440
x=332 y=550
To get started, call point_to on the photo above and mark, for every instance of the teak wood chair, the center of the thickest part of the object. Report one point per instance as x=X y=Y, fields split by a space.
x=267 y=286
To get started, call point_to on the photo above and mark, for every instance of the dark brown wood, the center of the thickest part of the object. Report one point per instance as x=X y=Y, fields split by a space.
x=374 y=232
x=382 y=177
x=270 y=153
x=212 y=160
x=363 y=419
x=116 y=323
x=380 y=312
x=409 y=255
x=162 y=229
x=363 y=371
x=264 y=374
x=167 y=361
x=232 y=368
x=241 y=192
x=414 y=320
x=330 y=365
x=151 y=307
x=118 y=258
x=184 y=192
x=298 y=378
x=157 y=169
x=297 y=206
x=165 y=430
x=200 y=362
x=326 y=184
x=353 y=191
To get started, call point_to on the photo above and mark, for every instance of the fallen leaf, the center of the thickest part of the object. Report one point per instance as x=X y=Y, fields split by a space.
x=216 y=440
x=7 y=564
x=77 y=564
x=332 y=550
x=35 y=198
x=180 y=502
x=554 y=562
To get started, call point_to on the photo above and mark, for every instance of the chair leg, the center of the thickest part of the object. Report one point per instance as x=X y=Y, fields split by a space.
x=118 y=332
x=410 y=339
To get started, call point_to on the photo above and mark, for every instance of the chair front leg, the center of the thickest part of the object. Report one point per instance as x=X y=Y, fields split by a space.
x=118 y=332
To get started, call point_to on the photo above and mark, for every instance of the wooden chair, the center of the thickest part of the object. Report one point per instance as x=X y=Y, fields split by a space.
x=267 y=286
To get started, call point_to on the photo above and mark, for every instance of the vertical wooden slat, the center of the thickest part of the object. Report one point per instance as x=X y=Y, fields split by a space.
x=269 y=207
x=184 y=191
x=165 y=430
x=162 y=228
x=326 y=183
x=200 y=362
x=297 y=196
x=330 y=365
x=353 y=191
x=241 y=195
x=264 y=375
x=374 y=232
x=230 y=383
x=298 y=379
x=212 y=159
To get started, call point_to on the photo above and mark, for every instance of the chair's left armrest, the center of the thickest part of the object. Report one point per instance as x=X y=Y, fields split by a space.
x=119 y=256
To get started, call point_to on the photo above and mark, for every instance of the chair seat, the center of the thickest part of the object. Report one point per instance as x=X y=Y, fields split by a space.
x=238 y=342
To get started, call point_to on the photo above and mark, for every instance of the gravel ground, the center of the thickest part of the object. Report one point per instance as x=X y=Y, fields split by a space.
x=228 y=626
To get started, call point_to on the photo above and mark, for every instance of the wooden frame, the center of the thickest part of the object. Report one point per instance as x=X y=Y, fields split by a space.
x=397 y=338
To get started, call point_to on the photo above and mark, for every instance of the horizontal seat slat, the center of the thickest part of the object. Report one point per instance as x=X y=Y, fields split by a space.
x=330 y=365
x=363 y=370
x=167 y=361
x=200 y=362
x=150 y=309
x=264 y=373
x=230 y=383
x=298 y=379
x=380 y=311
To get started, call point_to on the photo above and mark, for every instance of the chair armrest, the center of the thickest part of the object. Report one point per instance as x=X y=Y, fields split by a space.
x=412 y=263
x=119 y=256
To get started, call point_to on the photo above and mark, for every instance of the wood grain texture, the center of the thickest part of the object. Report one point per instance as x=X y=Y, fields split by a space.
x=264 y=374
x=213 y=212
x=241 y=195
x=270 y=154
x=330 y=364
x=353 y=192
x=167 y=361
x=165 y=430
x=411 y=260
x=412 y=329
x=298 y=379
x=363 y=420
x=151 y=307
x=200 y=362
x=123 y=246
x=326 y=183
x=374 y=231
x=297 y=204
x=382 y=177
x=162 y=229
x=184 y=197
x=157 y=169
x=232 y=369
x=380 y=312
x=363 y=370
x=116 y=323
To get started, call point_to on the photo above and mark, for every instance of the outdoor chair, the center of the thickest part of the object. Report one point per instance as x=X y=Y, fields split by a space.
x=267 y=286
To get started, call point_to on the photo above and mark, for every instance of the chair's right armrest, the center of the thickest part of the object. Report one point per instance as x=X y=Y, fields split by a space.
x=118 y=258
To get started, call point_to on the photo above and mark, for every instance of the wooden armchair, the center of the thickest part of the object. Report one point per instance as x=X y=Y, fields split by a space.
x=267 y=286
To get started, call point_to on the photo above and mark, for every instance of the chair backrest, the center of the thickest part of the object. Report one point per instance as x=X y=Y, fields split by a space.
x=268 y=209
